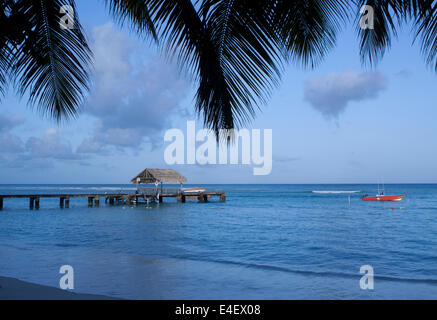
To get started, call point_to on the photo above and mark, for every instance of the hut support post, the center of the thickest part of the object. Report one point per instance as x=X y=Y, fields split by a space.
x=37 y=203
x=61 y=202
x=223 y=198
x=90 y=201
x=67 y=203
x=31 y=203
x=96 y=201
x=1 y=203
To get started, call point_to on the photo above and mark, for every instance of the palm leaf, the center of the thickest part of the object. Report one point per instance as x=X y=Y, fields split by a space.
x=186 y=35
x=308 y=28
x=424 y=15
x=51 y=64
x=5 y=7
x=229 y=51
x=389 y=14
x=375 y=42
x=248 y=61
x=235 y=48
x=136 y=11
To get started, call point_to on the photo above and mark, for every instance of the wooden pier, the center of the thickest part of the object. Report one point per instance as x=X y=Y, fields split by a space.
x=147 y=196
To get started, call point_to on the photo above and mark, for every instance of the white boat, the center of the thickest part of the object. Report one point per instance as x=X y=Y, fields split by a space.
x=335 y=191
x=193 y=190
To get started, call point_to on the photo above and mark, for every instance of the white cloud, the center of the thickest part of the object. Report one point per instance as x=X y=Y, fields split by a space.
x=131 y=98
x=10 y=143
x=51 y=145
x=332 y=93
x=35 y=152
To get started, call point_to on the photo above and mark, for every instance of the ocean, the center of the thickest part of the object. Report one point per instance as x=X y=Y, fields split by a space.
x=264 y=242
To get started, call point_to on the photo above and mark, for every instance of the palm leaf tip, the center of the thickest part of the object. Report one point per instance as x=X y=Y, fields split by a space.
x=134 y=11
x=52 y=64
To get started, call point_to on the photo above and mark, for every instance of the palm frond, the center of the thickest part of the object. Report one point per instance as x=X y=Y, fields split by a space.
x=186 y=35
x=230 y=48
x=135 y=11
x=51 y=64
x=388 y=15
x=236 y=48
x=248 y=51
x=5 y=7
x=424 y=15
x=308 y=28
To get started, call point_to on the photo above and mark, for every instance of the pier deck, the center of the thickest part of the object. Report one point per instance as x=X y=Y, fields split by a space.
x=116 y=198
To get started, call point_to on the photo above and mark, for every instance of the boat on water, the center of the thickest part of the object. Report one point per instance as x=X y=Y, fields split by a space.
x=381 y=196
x=193 y=190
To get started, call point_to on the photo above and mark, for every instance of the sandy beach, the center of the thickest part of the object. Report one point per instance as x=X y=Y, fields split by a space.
x=14 y=289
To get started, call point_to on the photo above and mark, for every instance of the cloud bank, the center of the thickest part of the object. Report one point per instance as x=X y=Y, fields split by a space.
x=34 y=151
x=133 y=94
x=332 y=93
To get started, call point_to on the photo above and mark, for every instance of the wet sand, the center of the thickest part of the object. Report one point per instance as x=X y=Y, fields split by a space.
x=14 y=289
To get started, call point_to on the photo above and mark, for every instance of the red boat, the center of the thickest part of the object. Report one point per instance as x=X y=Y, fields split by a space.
x=381 y=197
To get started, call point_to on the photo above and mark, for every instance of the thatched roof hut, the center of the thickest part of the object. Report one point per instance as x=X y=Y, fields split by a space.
x=159 y=175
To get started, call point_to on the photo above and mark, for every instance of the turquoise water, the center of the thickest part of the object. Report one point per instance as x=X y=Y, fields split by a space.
x=265 y=242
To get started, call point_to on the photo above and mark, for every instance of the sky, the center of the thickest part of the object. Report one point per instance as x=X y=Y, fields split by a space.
x=341 y=122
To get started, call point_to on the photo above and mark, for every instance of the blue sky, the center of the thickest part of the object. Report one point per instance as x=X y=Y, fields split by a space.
x=338 y=123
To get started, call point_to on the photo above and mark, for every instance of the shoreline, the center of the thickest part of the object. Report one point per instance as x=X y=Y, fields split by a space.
x=14 y=289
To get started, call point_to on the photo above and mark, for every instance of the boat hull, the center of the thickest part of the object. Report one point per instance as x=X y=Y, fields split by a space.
x=193 y=190
x=384 y=198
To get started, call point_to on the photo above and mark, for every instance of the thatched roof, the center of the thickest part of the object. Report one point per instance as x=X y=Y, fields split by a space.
x=160 y=175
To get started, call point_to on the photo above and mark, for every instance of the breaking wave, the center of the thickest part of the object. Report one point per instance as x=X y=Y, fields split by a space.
x=335 y=191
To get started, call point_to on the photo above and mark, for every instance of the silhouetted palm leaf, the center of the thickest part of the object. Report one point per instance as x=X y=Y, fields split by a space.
x=135 y=11
x=375 y=42
x=424 y=14
x=234 y=48
x=180 y=25
x=308 y=28
x=248 y=61
x=390 y=15
x=50 y=64
x=4 y=48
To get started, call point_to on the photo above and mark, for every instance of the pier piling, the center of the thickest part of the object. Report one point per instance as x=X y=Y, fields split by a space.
x=97 y=201
x=222 y=197
x=123 y=198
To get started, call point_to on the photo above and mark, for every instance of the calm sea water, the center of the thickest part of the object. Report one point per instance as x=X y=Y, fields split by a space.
x=265 y=242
